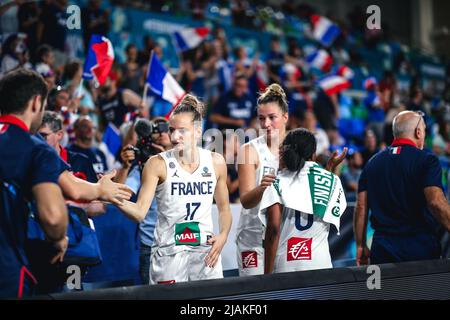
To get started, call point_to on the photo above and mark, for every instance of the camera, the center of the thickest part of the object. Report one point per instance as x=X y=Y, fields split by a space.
x=144 y=130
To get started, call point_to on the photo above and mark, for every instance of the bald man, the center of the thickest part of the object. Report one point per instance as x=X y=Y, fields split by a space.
x=401 y=185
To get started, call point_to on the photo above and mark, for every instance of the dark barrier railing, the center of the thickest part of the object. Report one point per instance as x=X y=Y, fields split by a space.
x=408 y=280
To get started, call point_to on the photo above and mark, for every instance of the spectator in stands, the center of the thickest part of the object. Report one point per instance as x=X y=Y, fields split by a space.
x=236 y=108
x=350 y=176
x=144 y=54
x=242 y=64
x=402 y=186
x=371 y=146
x=9 y=23
x=84 y=140
x=94 y=20
x=132 y=76
x=45 y=59
x=275 y=60
x=416 y=100
x=13 y=54
x=52 y=28
x=326 y=109
x=310 y=122
x=115 y=103
x=28 y=16
x=78 y=90
x=374 y=105
x=52 y=131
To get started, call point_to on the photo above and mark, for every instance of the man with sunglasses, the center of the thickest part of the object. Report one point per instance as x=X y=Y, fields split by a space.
x=402 y=187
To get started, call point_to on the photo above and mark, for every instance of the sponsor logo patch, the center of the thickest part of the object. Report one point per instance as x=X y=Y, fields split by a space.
x=249 y=259
x=299 y=249
x=187 y=234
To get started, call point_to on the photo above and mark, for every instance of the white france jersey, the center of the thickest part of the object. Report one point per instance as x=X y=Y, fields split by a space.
x=250 y=230
x=303 y=241
x=184 y=205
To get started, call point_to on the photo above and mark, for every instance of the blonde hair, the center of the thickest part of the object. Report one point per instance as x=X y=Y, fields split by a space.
x=191 y=104
x=274 y=93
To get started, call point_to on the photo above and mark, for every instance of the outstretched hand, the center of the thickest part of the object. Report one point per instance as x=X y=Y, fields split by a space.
x=113 y=192
x=336 y=159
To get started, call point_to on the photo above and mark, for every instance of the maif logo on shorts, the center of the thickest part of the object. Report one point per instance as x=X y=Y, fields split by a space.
x=249 y=259
x=299 y=249
x=187 y=233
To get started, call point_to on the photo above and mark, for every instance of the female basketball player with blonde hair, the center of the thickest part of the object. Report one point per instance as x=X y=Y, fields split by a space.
x=185 y=180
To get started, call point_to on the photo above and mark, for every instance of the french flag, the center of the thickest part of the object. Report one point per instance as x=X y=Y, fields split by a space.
x=112 y=139
x=320 y=59
x=162 y=82
x=333 y=84
x=100 y=59
x=324 y=30
x=345 y=72
x=369 y=83
x=190 y=38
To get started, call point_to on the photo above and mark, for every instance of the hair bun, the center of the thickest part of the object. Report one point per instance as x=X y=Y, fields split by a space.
x=192 y=101
x=276 y=90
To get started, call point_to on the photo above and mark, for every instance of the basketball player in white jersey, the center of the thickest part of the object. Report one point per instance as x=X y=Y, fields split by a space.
x=299 y=207
x=185 y=179
x=257 y=167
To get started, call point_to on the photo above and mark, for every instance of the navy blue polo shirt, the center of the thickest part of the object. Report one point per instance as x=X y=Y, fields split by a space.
x=95 y=155
x=26 y=161
x=82 y=166
x=114 y=109
x=235 y=107
x=395 y=179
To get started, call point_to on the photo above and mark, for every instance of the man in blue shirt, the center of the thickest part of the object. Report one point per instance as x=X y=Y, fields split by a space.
x=236 y=108
x=30 y=167
x=84 y=134
x=401 y=185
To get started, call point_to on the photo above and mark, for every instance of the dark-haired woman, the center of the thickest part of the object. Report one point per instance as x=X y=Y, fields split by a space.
x=299 y=207
x=257 y=166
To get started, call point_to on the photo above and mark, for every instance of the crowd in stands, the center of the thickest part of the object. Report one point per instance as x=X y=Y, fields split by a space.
x=228 y=78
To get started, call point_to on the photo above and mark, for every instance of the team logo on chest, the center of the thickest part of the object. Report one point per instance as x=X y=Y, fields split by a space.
x=205 y=172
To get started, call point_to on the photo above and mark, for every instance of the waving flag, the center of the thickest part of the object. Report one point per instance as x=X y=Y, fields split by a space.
x=320 y=59
x=189 y=38
x=345 y=72
x=162 y=83
x=370 y=83
x=333 y=84
x=324 y=30
x=112 y=139
x=100 y=59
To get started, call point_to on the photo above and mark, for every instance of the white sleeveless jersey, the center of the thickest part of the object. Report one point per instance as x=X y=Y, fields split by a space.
x=303 y=241
x=184 y=205
x=250 y=230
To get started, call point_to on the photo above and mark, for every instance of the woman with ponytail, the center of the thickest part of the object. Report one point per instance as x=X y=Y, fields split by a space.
x=298 y=208
x=185 y=180
x=257 y=166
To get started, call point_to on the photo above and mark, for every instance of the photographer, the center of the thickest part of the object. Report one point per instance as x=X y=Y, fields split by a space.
x=130 y=174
